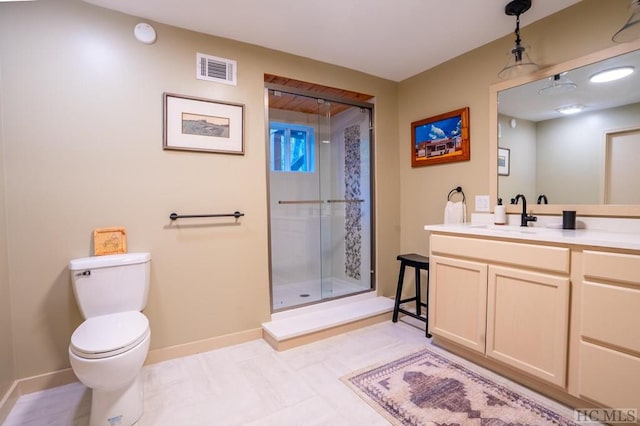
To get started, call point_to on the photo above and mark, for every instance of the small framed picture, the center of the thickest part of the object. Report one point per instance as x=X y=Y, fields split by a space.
x=503 y=161
x=109 y=241
x=196 y=124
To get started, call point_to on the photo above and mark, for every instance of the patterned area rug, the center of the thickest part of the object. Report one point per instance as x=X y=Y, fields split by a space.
x=426 y=388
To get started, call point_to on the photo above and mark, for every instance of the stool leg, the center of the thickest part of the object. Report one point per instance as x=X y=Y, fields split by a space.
x=427 y=308
x=396 y=306
x=418 y=298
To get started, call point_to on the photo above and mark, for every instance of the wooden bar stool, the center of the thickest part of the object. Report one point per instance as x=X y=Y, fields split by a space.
x=417 y=262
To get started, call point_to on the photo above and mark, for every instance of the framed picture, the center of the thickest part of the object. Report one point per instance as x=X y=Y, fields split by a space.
x=196 y=124
x=109 y=241
x=441 y=139
x=503 y=161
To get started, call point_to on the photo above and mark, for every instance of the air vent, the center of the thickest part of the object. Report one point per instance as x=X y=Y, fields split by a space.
x=212 y=68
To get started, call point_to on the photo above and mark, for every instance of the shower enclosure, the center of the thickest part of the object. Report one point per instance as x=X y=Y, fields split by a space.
x=320 y=197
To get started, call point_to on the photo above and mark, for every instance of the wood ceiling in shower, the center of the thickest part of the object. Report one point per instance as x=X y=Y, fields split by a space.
x=309 y=105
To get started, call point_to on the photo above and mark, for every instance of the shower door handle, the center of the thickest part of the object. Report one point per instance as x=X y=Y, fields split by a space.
x=346 y=201
x=300 y=202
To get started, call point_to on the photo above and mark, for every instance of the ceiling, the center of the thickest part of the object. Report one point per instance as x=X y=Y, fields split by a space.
x=388 y=39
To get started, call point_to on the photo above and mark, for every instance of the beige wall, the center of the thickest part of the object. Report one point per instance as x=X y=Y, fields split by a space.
x=464 y=81
x=82 y=122
x=7 y=365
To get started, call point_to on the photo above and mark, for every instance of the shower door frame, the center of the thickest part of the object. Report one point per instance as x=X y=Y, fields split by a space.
x=372 y=225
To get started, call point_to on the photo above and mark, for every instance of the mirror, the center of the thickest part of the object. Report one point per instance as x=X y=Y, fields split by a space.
x=584 y=161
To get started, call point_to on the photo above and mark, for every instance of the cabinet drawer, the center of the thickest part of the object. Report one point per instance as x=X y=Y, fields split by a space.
x=612 y=266
x=609 y=377
x=611 y=314
x=556 y=259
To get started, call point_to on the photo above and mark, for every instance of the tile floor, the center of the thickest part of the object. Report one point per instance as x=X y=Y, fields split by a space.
x=246 y=384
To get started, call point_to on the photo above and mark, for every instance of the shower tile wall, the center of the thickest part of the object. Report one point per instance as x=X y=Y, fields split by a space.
x=353 y=211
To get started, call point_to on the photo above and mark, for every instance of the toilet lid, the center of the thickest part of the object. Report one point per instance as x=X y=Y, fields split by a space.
x=108 y=335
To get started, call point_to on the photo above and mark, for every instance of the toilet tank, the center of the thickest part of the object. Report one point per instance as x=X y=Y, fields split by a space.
x=112 y=283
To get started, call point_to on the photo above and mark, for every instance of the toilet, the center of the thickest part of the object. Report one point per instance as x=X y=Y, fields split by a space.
x=108 y=349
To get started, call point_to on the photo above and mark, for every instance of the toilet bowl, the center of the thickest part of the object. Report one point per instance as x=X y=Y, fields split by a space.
x=108 y=349
x=106 y=354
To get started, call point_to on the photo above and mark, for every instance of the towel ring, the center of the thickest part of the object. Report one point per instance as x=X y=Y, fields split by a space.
x=456 y=190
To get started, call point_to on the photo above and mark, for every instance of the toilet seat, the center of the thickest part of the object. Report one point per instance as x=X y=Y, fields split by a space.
x=108 y=335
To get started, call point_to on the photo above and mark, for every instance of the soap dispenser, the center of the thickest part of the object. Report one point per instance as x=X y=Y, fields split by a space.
x=500 y=214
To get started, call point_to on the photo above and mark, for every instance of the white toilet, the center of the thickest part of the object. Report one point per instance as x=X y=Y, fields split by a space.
x=108 y=349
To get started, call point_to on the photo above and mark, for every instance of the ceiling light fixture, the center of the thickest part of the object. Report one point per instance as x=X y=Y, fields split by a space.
x=560 y=83
x=571 y=109
x=611 y=74
x=631 y=30
x=519 y=62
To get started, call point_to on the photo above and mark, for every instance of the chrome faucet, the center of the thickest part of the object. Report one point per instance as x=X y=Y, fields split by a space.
x=524 y=217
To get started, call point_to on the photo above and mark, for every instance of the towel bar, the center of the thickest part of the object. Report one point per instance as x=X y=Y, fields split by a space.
x=174 y=216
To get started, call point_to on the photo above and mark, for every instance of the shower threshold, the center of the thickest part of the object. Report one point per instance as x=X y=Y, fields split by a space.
x=300 y=326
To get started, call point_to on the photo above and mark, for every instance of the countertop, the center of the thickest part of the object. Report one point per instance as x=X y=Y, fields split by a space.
x=582 y=237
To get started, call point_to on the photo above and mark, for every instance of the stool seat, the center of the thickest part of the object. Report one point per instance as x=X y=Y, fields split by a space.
x=415 y=260
x=418 y=262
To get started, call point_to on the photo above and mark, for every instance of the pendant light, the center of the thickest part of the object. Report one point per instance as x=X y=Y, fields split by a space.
x=631 y=30
x=519 y=62
x=558 y=83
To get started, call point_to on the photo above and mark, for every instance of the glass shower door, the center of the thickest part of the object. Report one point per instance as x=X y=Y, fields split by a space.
x=320 y=203
x=295 y=212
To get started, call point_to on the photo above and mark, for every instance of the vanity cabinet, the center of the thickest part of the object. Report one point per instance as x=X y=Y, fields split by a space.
x=609 y=336
x=507 y=301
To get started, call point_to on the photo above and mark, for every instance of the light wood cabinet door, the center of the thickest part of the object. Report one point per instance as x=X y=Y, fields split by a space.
x=457 y=301
x=528 y=321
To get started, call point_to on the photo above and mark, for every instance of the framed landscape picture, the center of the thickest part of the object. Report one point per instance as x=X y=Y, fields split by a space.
x=196 y=124
x=441 y=139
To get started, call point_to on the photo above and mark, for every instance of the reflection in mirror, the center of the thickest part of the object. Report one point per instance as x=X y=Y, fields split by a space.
x=589 y=157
